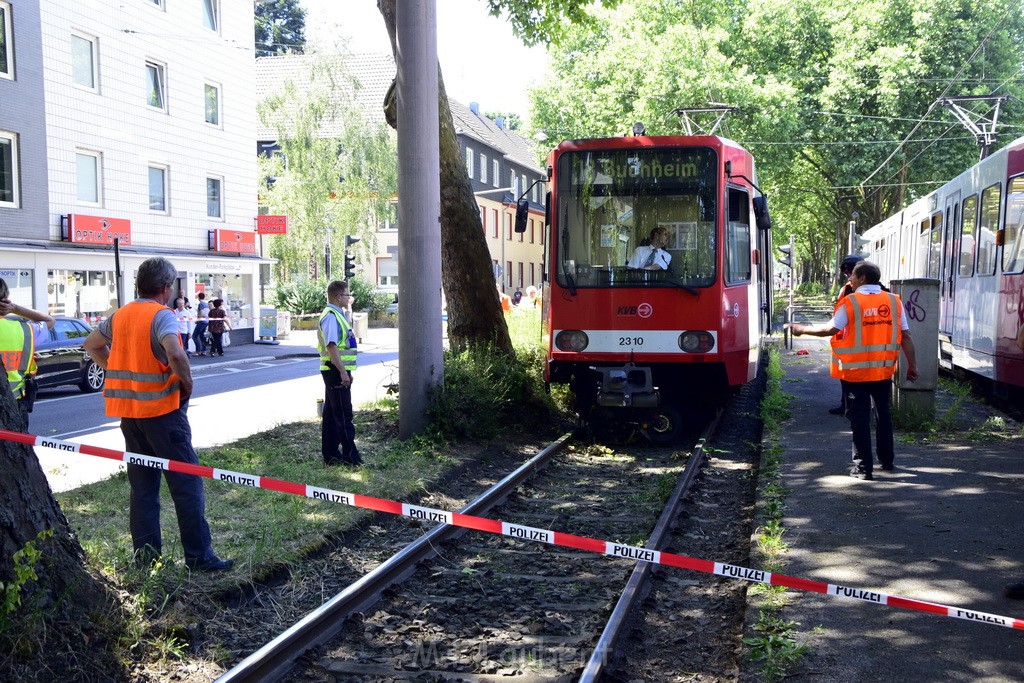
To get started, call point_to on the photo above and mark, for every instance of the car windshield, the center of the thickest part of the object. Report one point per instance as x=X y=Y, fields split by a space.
x=610 y=201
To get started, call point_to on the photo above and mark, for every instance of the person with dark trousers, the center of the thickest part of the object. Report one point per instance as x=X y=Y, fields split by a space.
x=845 y=269
x=18 y=340
x=148 y=384
x=202 y=321
x=864 y=357
x=337 y=346
x=219 y=324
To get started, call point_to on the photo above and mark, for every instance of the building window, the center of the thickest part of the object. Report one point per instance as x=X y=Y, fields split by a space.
x=83 y=60
x=483 y=219
x=158 y=189
x=494 y=223
x=214 y=198
x=6 y=48
x=469 y=162
x=88 y=175
x=513 y=181
x=156 y=92
x=483 y=168
x=508 y=274
x=532 y=227
x=497 y=169
x=8 y=169
x=211 y=14
x=522 y=186
x=211 y=97
x=158 y=3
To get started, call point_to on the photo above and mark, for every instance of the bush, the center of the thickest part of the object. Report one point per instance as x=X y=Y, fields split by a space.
x=304 y=296
x=366 y=299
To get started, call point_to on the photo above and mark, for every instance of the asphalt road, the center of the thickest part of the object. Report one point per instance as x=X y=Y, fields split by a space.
x=228 y=402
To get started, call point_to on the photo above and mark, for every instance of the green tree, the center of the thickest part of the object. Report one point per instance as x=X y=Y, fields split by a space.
x=280 y=27
x=511 y=121
x=336 y=173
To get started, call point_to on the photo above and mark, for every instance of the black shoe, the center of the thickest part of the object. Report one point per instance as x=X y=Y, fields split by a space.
x=214 y=564
x=858 y=473
x=837 y=411
x=1015 y=591
x=888 y=468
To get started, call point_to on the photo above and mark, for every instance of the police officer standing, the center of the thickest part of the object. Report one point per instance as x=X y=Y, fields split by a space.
x=148 y=385
x=875 y=329
x=18 y=341
x=337 y=345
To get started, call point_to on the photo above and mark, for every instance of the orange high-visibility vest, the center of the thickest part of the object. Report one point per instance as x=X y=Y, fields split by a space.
x=138 y=385
x=870 y=347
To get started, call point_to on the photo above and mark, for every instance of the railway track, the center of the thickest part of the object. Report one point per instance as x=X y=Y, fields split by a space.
x=488 y=607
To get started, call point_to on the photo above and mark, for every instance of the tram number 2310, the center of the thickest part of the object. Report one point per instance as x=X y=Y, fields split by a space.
x=631 y=341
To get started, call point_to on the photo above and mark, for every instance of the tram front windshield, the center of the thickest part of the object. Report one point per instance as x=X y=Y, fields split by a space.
x=610 y=201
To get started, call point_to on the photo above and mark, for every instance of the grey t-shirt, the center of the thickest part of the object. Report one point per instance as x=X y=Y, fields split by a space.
x=164 y=323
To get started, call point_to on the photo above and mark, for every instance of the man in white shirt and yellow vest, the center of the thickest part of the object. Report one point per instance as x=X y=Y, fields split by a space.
x=18 y=341
x=148 y=384
x=337 y=345
x=874 y=329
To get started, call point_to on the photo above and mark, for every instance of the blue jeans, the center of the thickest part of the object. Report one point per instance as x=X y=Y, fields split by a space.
x=166 y=436
x=199 y=337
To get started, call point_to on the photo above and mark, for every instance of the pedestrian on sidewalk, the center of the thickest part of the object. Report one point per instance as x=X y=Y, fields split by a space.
x=336 y=343
x=875 y=329
x=148 y=385
x=219 y=324
x=18 y=340
x=202 y=322
x=184 y=320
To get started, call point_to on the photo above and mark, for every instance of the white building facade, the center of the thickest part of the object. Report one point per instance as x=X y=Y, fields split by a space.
x=149 y=130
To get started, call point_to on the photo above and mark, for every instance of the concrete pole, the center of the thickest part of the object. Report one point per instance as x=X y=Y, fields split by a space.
x=421 y=366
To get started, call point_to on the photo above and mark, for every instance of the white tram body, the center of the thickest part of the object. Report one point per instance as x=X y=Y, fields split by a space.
x=967 y=235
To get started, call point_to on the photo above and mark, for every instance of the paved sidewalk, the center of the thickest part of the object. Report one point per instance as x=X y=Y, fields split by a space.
x=945 y=527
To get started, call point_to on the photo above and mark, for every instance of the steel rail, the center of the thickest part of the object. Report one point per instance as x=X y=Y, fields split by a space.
x=638 y=579
x=272 y=661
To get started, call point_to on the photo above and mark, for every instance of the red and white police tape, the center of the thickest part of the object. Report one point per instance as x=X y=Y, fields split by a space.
x=517 y=531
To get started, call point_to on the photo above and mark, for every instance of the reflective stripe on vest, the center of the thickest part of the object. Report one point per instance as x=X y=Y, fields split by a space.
x=18 y=346
x=138 y=385
x=870 y=347
x=346 y=354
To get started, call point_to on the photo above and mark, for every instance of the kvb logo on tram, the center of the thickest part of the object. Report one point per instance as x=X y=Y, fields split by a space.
x=644 y=310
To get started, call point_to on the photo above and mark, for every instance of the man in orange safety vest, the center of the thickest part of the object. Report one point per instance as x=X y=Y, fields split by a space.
x=874 y=329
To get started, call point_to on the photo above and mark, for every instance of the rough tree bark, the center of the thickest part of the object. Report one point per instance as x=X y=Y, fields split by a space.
x=60 y=631
x=475 y=317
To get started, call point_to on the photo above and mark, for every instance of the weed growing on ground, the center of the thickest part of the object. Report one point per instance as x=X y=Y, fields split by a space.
x=773 y=644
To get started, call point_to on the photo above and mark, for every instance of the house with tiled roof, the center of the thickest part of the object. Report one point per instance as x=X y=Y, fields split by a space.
x=501 y=164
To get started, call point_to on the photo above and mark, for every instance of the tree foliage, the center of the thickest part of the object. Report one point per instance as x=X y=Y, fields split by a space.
x=280 y=28
x=336 y=173
x=826 y=91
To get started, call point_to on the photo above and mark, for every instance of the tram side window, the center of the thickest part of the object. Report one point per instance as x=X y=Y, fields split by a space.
x=968 y=225
x=990 y=200
x=1013 y=245
x=935 y=248
x=737 y=239
x=921 y=264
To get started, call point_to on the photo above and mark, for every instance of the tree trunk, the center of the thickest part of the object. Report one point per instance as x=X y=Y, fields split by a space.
x=53 y=634
x=475 y=317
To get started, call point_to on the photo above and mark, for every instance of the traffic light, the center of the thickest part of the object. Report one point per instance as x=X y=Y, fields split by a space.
x=350 y=260
x=350 y=265
x=787 y=258
x=860 y=245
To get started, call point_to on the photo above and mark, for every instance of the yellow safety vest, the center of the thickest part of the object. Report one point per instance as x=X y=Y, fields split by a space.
x=18 y=346
x=347 y=353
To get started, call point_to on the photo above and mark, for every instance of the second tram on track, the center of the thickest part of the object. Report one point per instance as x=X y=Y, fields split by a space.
x=640 y=348
x=967 y=234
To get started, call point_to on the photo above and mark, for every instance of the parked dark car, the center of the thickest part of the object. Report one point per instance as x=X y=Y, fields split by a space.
x=62 y=360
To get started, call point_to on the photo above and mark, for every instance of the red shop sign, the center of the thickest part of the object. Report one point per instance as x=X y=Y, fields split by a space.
x=98 y=229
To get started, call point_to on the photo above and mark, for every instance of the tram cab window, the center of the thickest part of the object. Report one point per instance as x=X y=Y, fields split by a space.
x=1013 y=244
x=609 y=201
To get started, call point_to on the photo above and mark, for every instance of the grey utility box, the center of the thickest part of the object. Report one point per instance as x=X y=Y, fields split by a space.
x=914 y=402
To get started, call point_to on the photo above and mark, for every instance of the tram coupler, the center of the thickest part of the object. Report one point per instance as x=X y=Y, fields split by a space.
x=626 y=386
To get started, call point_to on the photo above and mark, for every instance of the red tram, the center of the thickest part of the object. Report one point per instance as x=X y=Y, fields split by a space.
x=968 y=235
x=641 y=348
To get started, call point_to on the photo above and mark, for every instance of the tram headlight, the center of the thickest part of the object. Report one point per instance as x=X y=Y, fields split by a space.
x=571 y=340
x=696 y=341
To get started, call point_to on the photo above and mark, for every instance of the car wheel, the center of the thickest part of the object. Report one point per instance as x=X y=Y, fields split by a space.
x=92 y=378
